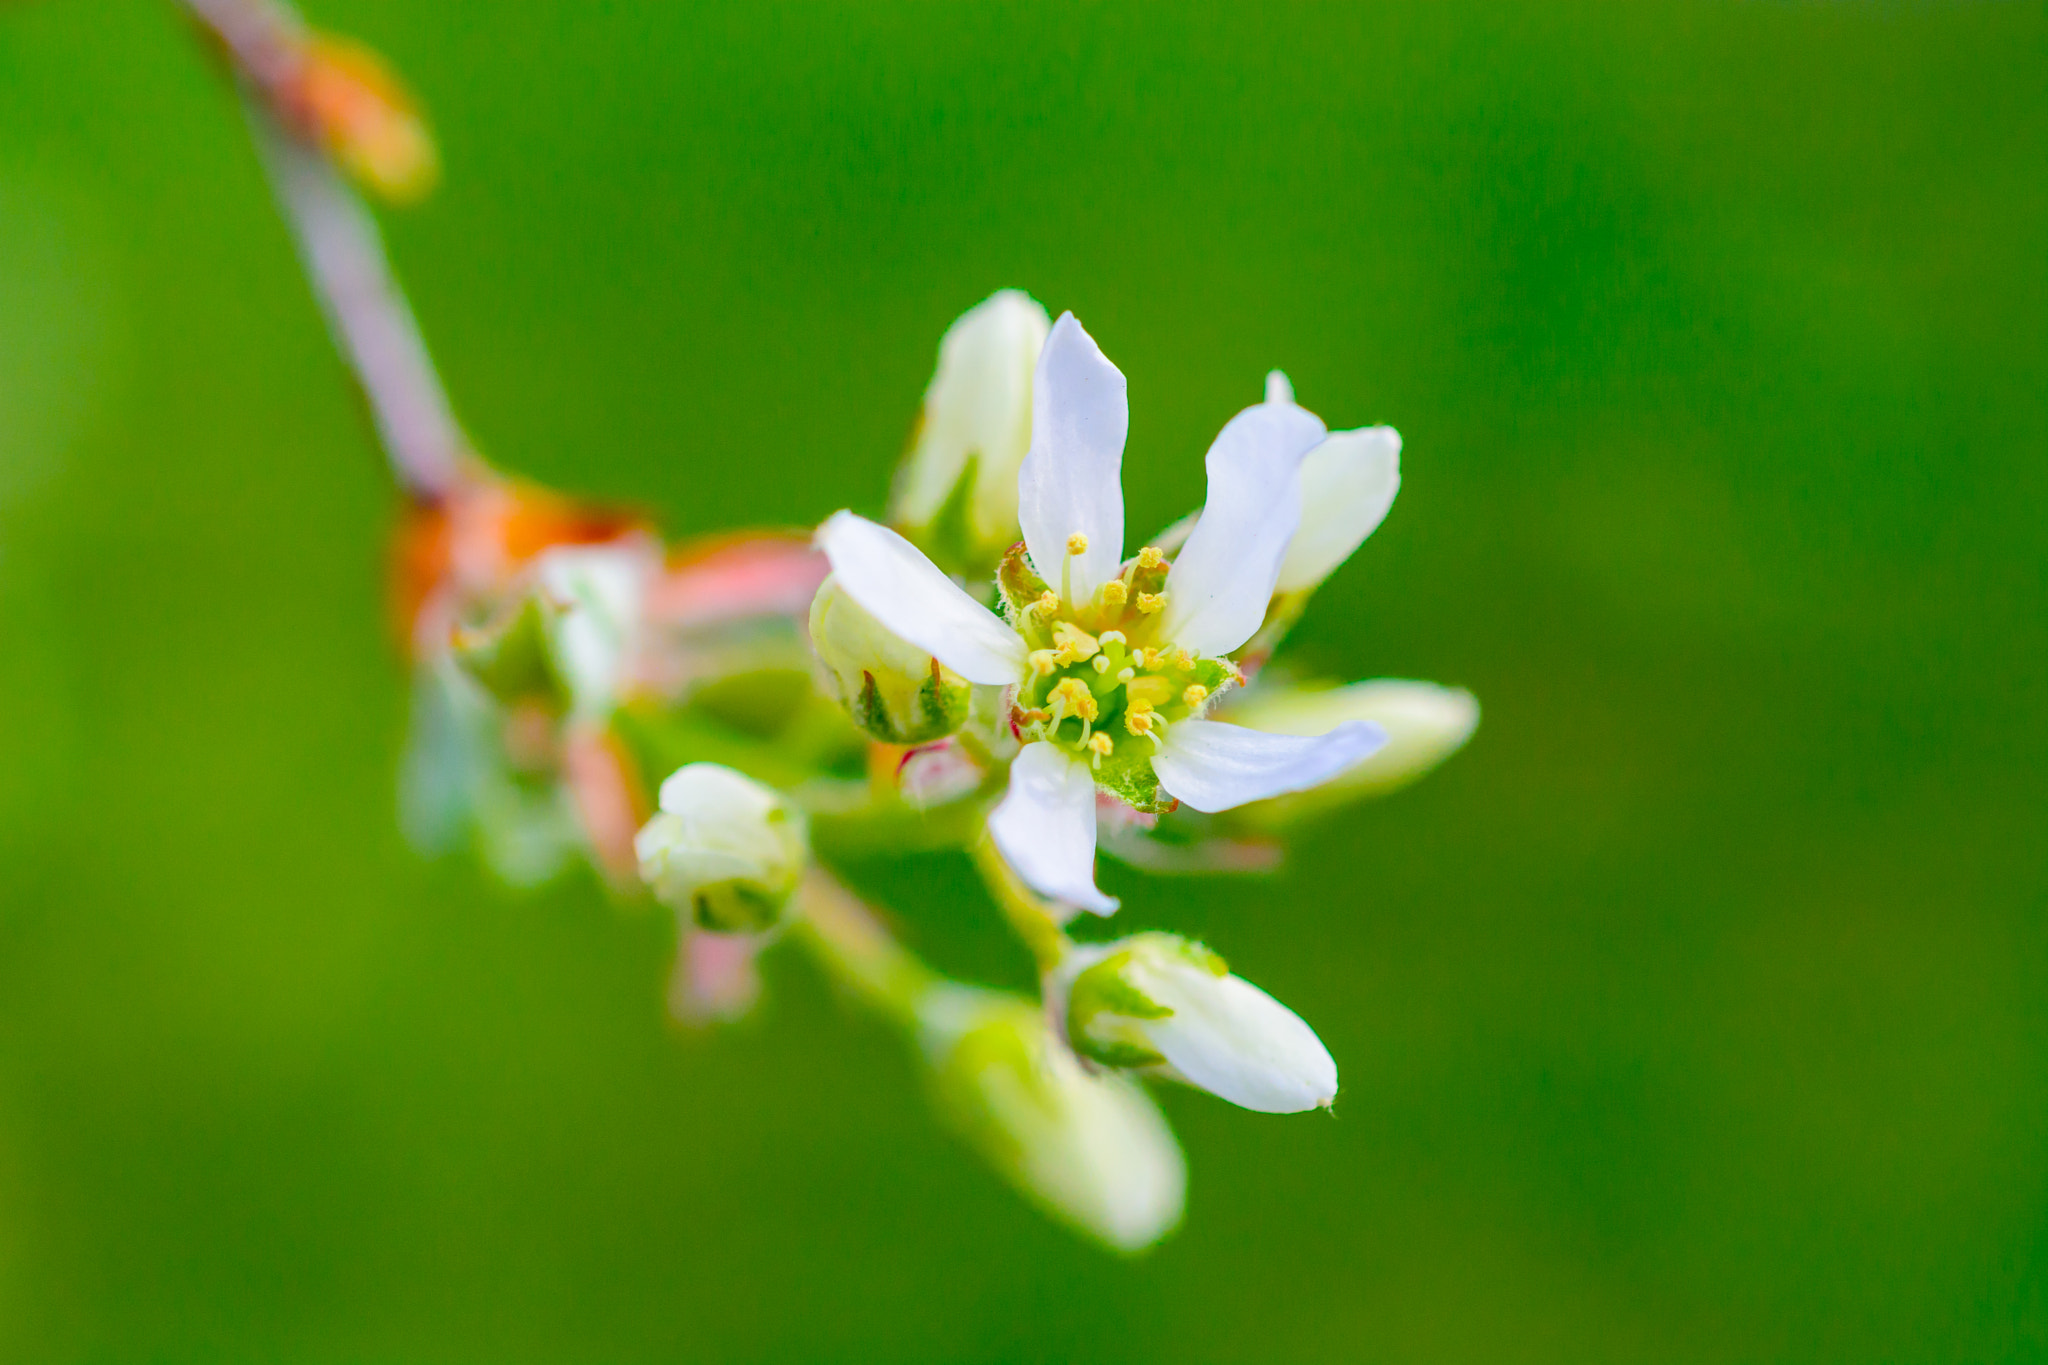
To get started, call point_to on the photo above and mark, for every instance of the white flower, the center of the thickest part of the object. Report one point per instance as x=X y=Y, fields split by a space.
x=723 y=849
x=1162 y=1004
x=977 y=409
x=1092 y=1150
x=1348 y=484
x=1113 y=662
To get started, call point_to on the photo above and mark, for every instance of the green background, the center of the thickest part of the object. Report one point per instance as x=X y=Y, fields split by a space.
x=1697 y=1011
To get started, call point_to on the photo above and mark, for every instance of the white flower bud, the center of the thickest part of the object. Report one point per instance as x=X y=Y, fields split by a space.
x=723 y=849
x=977 y=409
x=895 y=691
x=1163 y=1004
x=1092 y=1150
x=1347 y=485
x=1425 y=724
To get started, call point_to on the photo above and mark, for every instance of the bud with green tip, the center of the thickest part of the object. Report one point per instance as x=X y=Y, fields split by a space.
x=956 y=495
x=723 y=849
x=895 y=691
x=1092 y=1150
x=1166 y=1005
x=1425 y=724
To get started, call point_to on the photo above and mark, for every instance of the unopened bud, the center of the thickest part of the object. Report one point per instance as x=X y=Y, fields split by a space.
x=1092 y=1150
x=1425 y=724
x=956 y=495
x=350 y=100
x=723 y=849
x=895 y=691
x=1168 y=1006
x=1347 y=485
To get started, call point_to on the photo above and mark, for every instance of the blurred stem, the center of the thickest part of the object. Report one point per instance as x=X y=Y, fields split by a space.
x=1032 y=918
x=845 y=935
x=343 y=254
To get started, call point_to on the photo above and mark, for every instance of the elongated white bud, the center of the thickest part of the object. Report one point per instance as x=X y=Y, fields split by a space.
x=1425 y=724
x=1163 y=1004
x=895 y=691
x=1092 y=1150
x=723 y=849
x=956 y=495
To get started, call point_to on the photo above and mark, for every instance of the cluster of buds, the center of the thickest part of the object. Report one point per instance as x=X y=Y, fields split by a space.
x=709 y=725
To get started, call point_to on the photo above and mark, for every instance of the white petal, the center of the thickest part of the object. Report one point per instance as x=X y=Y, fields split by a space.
x=1213 y=766
x=1425 y=723
x=1045 y=826
x=1218 y=588
x=1237 y=1042
x=1071 y=481
x=1347 y=484
x=910 y=595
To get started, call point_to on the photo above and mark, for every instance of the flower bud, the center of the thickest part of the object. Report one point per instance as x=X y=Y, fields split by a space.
x=1348 y=484
x=1425 y=724
x=1092 y=1150
x=723 y=848
x=895 y=691
x=956 y=494
x=350 y=99
x=1164 y=1004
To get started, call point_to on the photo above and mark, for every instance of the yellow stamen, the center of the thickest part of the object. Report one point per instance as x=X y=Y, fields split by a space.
x=1151 y=557
x=1048 y=602
x=1182 y=660
x=1195 y=694
x=1102 y=744
x=1140 y=719
x=1114 y=593
x=1111 y=637
x=1150 y=602
x=1077 y=544
x=1073 y=698
x=1075 y=644
x=1044 y=661
x=1124 y=675
x=1101 y=663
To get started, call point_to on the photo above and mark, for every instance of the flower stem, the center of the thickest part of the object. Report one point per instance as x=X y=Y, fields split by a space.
x=845 y=935
x=1034 y=920
x=344 y=256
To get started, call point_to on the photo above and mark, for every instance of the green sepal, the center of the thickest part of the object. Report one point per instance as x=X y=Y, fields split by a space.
x=1019 y=583
x=1102 y=990
x=1118 y=1054
x=736 y=907
x=1128 y=776
x=937 y=708
x=513 y=658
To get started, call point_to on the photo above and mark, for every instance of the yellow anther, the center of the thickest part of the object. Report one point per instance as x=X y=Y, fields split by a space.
x=1151 y=557
x=1124 y=675
x=1181 y=660
x=1150 y=602
x=1140 y=719
x=1114 y=593
x=1048 y=602
x=1077 y=544
x=1195 y=694
x=1101 y=663
x=1072 y=697
x=1075 y=644
x=1111 y=637
x=1102 y=744
x=1149 y=658
x=1044 y=661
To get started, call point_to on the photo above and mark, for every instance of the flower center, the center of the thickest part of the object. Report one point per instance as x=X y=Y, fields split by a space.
x=1102 y=684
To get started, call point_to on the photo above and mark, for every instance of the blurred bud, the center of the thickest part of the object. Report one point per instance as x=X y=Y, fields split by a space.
x=1093 y=1151
x=349 y=99
x=1425 y=724
x=1164 y=1004
x=895 y=691
x=723 y=848
x=1347 y=484
x=956 y=494
x=596 y=594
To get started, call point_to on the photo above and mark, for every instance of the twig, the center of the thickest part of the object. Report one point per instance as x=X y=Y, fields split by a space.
x=343 y=254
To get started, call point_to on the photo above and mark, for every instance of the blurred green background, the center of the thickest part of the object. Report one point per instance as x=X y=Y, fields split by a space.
x=1698 y=1011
